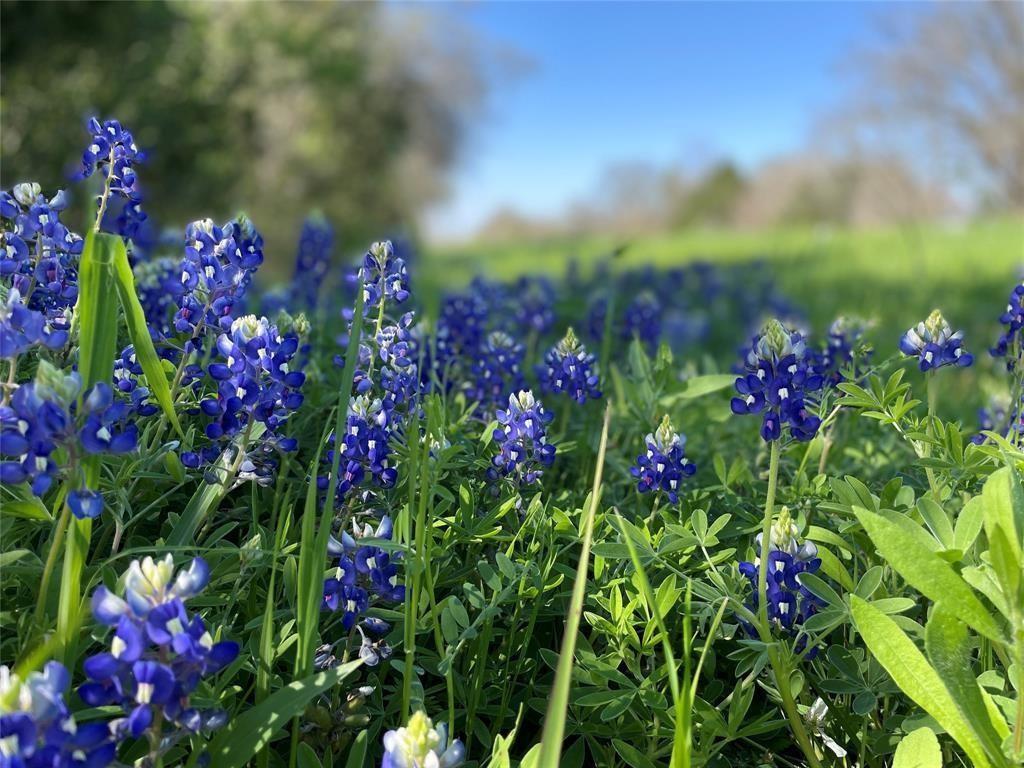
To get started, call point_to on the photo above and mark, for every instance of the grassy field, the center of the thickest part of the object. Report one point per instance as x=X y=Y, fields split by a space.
x=893 y=275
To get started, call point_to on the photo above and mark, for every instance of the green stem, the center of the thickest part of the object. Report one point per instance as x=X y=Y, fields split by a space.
x=926 y=448
x=51 y=561
x=779 y=669
x=766 y=534
x=106 y=193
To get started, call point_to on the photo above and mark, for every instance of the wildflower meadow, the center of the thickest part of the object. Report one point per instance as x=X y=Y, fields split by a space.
x=622 y=516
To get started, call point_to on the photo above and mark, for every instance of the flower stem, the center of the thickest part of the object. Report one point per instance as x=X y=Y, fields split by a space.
x=779 y=668
x=106 y=193
x=51 y=561
x=926 y=448
x=766 y=534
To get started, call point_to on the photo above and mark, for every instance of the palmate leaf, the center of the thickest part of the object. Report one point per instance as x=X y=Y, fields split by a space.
x=138 y=332
x=248 y=733
x=917 y=679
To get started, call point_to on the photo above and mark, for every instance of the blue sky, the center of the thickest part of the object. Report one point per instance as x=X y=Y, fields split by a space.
x=659 y=82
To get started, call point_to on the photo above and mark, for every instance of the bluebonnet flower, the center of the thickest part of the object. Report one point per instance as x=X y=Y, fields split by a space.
x=311 y=262
x=790 y=603
x=362 y=571
x=43 y=416
x=384 y=275
x=663 y=466
x=255 y=384
x=215 y=272
x=837 y=355
x=22 y=328
x=934 y=344
x=461 y=328
x=399 y=378
x=776 y=381
x=37 y=729
x=420 y=745
x=570 y=368
x=112 y=150
x=496 y=372
x=39 y=269
x=365 y=450
x=521 y=436
x=534 y=304
x=127 y=371
x=1009 y=343
x=597 y=315
x=1003 y=416
x=642 y=320
x=157 y=283
x=158 y=652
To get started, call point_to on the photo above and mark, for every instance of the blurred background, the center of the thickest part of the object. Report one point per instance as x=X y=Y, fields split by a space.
x=509 y=136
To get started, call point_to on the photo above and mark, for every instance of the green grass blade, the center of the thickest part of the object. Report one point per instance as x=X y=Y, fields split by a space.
x=97 y=341
x=138 y=332
x=554 y=720
x=251 y=731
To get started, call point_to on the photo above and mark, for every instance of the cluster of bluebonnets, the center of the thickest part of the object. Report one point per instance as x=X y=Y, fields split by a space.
x=237 y=368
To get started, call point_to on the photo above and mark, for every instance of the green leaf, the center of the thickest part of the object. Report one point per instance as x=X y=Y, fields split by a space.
x=918 y=749
x=699 y=386
x=927 y=572
x=968 y=524
x=138 y=332
x=937 y=521
x=26 y=509
x=948 y=646
x=307 y=757
x=96 y=313
x=818 y=586
x=910 y=670
x=248 y=733
x=357 y=752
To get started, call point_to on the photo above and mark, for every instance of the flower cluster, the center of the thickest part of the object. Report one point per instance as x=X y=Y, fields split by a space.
x=642 y=320
x=777 y=378
x=790 y=603
x=385 y=278
x=365 y=450
x=837 y=357
x=362 y=572
x=43 y=417
x=663 y=466
x=935 y=345
x=112 y=150
x=158 y=283
x=1002 y=416
x=533 y=307
x=127 y=371
x=38 y=270
x=158 y=653
x=420 y=745
x=1009 y=343
x=37 y=730
x=496 y=372
x=255 y=384
x=215 y=272
x=311 y=262
x=521 y=435
x=568 y=367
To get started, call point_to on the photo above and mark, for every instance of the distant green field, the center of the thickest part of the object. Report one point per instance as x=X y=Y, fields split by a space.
x=893 y=275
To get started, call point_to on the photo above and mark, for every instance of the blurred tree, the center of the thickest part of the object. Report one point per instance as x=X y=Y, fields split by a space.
x=272 y=107
x=954 y=71
x=713 y=200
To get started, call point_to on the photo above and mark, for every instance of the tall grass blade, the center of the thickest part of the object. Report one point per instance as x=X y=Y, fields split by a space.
x=138 y=332
x=97 y=341
x=554 y=720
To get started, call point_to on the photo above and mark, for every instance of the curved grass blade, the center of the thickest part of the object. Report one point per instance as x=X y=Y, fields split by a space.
x=554 y=720
x=138 y=332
